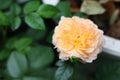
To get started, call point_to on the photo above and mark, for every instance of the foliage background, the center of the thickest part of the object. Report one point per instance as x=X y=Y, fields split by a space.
x=26 y=51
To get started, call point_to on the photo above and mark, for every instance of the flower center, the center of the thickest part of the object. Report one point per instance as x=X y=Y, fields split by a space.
x=78 y=42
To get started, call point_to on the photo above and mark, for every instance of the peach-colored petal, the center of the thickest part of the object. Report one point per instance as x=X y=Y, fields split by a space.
x=77 y=37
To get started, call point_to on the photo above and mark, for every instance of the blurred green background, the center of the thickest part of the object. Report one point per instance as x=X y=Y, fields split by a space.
x=26 y=50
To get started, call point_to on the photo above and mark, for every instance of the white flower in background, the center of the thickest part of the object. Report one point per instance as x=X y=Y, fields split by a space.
x=51 y=2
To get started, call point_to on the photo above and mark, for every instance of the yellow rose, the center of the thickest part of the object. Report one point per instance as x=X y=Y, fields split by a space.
x=77 y=37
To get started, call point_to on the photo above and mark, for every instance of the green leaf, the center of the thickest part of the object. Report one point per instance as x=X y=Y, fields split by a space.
x=49 y=37
x=10 y=43
x=40 y=74
x=4 y=21
x=15 y=20
x=64 y=71
x=91 y=7
x=5 y=3
x=22 y=43
x=15 y=9
x=31 y=6
x=34 y=78
x=19 y=44
x=47 y=11
x=108 y=70
x=40 y=56
x=64 y=7
x=60 y=63
x=17 y=64
x=4 y=54
x=35 y=21
x=15 y=23
x=32 y=34
x=57 y=17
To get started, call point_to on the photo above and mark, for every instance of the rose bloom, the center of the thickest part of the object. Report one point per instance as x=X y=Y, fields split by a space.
x=77 y=37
